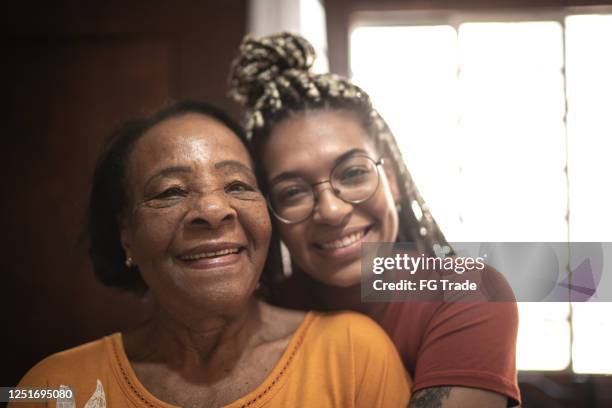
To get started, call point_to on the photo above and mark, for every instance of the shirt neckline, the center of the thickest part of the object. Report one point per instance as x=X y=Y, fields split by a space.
x=271 y=384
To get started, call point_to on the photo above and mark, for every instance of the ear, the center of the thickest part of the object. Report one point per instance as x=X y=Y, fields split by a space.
x=392 y=178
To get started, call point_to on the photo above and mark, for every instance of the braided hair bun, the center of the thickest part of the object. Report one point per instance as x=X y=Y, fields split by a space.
x=261 y=60
x=271 y=76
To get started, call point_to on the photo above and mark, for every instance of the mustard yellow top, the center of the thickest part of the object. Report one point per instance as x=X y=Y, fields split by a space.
x=333 y=360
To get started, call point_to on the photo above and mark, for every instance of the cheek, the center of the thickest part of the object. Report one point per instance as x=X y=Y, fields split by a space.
x=385 y=208
x=256 y=221
x=154 y=231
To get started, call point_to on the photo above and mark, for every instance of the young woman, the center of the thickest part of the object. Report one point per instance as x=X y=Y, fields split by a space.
x=334 y=178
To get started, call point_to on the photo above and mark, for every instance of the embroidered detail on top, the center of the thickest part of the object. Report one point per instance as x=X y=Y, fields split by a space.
x=127 y=379
x=98 y=398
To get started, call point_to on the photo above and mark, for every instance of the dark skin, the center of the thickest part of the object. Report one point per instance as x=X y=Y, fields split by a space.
x=198 y=229
x=307 y=144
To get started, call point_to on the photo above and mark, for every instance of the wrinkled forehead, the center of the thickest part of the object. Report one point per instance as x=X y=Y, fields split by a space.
x=189 y=139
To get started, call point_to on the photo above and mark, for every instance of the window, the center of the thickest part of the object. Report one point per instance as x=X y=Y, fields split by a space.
x=505 y=122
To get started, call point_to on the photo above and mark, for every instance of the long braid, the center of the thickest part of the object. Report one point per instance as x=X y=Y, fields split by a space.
x=271 y=79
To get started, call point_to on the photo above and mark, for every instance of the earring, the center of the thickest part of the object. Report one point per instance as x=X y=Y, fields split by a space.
x=129 y=262
x=286 y=260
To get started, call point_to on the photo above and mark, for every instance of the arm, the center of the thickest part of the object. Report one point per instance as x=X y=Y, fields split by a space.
x=469 y=347
x=455 y=397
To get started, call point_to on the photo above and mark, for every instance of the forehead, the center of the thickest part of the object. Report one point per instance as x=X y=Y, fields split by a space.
x=187 y=139
x=314 y=140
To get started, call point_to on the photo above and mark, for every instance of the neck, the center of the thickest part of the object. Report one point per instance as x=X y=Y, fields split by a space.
x=190 y=343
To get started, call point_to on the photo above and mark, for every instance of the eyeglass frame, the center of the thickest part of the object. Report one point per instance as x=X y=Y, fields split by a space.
x=377 y=163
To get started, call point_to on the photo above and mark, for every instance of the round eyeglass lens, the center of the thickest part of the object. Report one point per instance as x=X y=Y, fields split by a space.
x=355 y=179
x=292 y=199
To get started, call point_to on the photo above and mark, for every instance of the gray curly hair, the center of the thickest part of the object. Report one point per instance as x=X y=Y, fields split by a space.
x=271 y=79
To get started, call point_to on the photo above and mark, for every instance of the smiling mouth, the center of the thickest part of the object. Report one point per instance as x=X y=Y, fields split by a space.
x=210 y=255
x=344 y=241
x=208 y=259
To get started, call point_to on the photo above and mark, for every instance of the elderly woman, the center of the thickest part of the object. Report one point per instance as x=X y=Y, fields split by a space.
x=335 y=178
x=175 y=210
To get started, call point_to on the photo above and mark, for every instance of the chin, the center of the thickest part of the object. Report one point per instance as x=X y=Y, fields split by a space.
x=220 y=296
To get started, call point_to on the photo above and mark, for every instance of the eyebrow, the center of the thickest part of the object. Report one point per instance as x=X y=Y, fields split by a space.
x=235 y=165
x=287 y=175
x=350 y=153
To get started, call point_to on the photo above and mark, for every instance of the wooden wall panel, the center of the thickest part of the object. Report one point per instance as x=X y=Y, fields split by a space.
x=70 y=75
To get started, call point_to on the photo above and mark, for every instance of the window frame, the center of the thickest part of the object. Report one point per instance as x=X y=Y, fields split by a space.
x=384 y=16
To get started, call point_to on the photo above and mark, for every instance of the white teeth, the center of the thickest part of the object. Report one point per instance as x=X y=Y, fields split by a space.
x=210 y=254
x=344 y=241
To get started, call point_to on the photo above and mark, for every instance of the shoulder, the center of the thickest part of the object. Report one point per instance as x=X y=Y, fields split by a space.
x=478 y=322
x=496 y=285
x=65 y=366
x=494 y=300
x=497 y=310
x=457 y=319
x=349 y=327
x=353 y=337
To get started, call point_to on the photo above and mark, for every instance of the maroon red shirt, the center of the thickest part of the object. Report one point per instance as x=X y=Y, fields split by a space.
x=469 y=344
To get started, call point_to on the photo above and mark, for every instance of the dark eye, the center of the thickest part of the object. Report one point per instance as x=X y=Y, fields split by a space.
x=238 y=187
x=353 y=174
x=293 y=191
x=172 y=192
x=292 y=195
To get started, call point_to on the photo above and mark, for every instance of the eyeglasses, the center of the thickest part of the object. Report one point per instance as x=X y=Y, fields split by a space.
x=353 y=180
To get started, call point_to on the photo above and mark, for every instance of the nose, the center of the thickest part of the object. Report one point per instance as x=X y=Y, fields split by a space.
x=211 y=210
x=330 y=209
